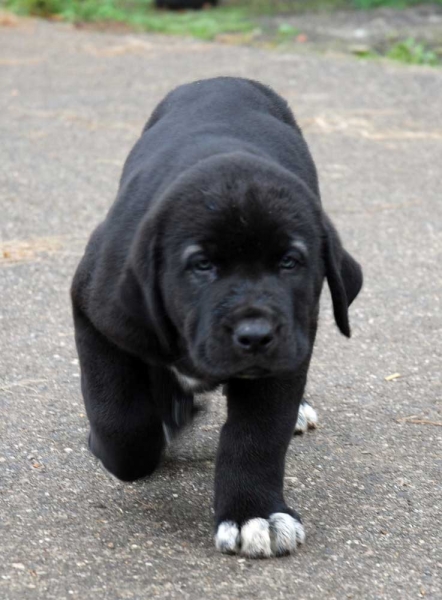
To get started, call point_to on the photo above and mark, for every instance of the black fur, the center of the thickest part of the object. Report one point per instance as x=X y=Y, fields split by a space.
x=194 y=268
x=184 y=4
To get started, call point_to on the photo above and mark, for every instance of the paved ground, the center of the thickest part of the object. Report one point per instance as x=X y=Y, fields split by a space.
x=363 y=30
x=368 y=482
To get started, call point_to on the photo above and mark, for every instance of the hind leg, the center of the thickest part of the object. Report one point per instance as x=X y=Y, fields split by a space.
x=126 y=431
x=307 y=417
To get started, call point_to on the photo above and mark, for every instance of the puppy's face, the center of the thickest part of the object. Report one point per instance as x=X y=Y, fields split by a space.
x=227 y=268
x=241 y=276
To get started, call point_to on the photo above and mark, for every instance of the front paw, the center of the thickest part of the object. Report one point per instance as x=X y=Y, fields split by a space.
x=260 y=538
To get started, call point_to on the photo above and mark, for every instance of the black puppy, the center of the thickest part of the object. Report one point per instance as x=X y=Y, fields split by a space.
x=208 y=270
x=184 y=4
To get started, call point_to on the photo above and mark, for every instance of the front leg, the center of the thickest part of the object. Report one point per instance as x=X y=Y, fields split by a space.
x=252 y=517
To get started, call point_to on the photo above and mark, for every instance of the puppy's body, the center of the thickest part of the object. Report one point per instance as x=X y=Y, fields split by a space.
x=208 y=269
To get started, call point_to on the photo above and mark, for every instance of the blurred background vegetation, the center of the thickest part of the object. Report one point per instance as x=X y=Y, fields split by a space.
x=231 y=17
x=144 y=14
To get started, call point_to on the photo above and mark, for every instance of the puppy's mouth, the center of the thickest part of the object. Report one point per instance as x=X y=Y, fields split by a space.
x=210 y=365
x=253 y=373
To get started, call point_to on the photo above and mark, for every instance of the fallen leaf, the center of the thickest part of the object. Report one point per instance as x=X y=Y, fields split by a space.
x=392 y=377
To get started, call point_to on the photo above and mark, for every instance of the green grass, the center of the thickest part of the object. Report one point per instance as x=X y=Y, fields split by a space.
x=411 y=52
x=232 y=16
x=286 y=32
x=140 y=14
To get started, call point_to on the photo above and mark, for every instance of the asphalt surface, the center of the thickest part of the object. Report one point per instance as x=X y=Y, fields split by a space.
x=368 y=482
x=359 y=31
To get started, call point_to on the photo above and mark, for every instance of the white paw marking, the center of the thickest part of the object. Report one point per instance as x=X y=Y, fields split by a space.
x=227 y=537
x=260 y=538
x=307 y=418
x=255 y=539
x=287 y=533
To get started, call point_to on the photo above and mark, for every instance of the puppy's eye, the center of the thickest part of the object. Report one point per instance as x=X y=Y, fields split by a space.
x=289 y=262
x=201 y=263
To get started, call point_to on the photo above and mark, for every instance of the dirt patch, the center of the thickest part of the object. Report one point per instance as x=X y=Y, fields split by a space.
x=114 y=27
x=7 y=19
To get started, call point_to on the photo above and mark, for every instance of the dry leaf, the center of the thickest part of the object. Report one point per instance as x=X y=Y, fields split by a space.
x=392 y=377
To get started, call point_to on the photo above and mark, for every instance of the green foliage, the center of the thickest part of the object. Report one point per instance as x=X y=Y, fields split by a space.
x=412 y=52
x=366 y=4
x=40 y=8
x=129 y=10
x=287 y=31
x=141 y=14
x=289 y=6
x=202 y=24
x=232 y=16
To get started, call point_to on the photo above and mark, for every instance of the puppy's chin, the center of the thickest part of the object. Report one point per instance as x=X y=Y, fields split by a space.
x=220 y=371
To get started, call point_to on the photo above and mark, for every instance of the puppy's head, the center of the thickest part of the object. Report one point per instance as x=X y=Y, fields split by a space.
x=232 y=260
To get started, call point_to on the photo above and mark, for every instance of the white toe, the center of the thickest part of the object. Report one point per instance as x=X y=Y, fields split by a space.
x=286 y=533
x=301 y=423
x=227 y=537
x=260 y=538
x=255 y=539
x=311 y=415
x=307 y=418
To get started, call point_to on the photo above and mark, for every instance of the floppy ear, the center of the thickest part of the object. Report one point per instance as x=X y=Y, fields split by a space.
x=140 y=291
x=344 y=275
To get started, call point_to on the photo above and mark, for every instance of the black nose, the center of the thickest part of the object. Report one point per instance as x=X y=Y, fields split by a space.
x=253 y=335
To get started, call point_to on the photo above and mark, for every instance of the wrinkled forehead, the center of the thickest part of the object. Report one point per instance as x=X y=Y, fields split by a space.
x=253 y=226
